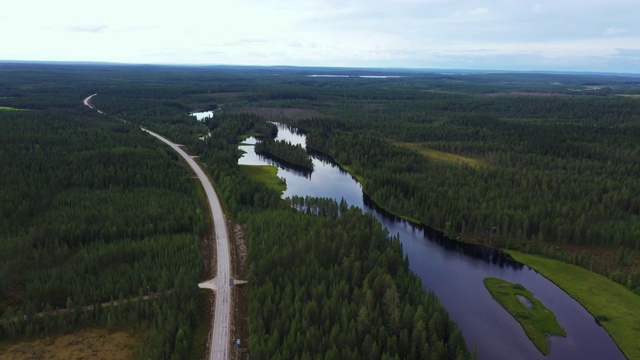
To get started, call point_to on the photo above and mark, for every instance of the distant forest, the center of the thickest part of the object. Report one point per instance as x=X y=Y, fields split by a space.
x=94 y=210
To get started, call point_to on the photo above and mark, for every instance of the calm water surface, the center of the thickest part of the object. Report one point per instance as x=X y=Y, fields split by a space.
x=202 y=115
x=454 y=272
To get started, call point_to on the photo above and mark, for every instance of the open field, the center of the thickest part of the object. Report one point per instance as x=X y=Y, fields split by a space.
x=95 y=344
x=537 y=320
x=614 y=306
x=441 y=155
x=265 y=174
x=9 y=108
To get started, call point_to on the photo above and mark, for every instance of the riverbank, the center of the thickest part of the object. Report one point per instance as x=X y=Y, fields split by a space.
x=360 y=179
x=265 y=174
x=615 y=307
x=454 y=271
x=612 y=303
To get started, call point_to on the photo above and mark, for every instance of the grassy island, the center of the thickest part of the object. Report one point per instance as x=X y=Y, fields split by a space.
x=536 y=320
x=615 y=307
x=268 y=175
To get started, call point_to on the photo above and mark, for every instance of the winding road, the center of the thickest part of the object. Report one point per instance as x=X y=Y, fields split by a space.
x=221 y=284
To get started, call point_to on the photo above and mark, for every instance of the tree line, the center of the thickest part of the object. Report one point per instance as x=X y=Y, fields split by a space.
x=294 y=155
x=337 y=287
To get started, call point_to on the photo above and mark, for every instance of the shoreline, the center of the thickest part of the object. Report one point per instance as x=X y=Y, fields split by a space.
x=524 y=259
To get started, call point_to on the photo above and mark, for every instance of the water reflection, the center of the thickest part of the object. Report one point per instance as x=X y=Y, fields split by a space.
x=202 y=115
x=454 y=271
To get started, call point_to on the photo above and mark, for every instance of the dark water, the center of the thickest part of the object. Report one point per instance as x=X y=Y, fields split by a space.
x=454 y=272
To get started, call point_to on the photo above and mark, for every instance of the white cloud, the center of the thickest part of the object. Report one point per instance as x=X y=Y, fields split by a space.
x=631 y=53
x=88 y=28
x=479 y=11
x=417 y=33
x=613 y=31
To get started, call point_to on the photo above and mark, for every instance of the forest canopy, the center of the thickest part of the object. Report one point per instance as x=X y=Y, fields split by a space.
x=94 y=210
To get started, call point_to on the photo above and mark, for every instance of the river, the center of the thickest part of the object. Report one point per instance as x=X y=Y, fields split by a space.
x=454 y=272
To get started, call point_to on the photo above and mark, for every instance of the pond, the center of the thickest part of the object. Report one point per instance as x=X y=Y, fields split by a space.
x=524 y=301
x=202 y=115
x=454 y=272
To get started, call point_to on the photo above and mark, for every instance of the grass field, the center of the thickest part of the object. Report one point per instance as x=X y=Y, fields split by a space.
x=617 y=308
x=350 y=170
x=8 y=108
x=265 y=174
x=537 y=321
x=441 y=155
x=94 y=343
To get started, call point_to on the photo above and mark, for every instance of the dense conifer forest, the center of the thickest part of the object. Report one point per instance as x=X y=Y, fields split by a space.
x=94 y=210
x=337 y=287
x=540 y=184
x=327 y=282
x=293 y=155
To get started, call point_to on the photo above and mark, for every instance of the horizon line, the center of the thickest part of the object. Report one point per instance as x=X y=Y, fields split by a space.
x=324 y=67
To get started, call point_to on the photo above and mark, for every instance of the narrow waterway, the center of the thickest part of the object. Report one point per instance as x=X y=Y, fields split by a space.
x=454 y=272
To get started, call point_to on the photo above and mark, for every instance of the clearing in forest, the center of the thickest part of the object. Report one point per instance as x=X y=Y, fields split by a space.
x=94 y=343
x=442 y=156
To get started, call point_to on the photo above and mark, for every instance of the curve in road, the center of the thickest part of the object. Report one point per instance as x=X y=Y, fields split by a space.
x=219 y=348
x=221 y=284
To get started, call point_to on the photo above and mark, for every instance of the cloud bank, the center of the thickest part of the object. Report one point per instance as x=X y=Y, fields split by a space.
x=565 y=35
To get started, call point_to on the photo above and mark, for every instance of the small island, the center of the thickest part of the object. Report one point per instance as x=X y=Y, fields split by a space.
x=286 y=152
x=536 y=320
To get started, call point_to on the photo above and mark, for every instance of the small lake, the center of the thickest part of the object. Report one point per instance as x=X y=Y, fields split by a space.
x=454 y=272
x=524 y=301
x=202 y=115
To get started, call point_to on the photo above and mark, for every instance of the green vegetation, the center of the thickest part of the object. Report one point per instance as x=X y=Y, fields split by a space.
x=516 y=194
x=265 y=174
x=250 y=134
x=293 y=155
x=201 y=331
x=93 y=210
x=8 y=108
x=442 y=156
x=614 y=306
x=337 y=287
x=536 y=320
x=557 y=183
x=86 y=191
x=329 y=286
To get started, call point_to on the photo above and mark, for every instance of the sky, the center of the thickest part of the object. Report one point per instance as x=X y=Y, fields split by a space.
x=558 y=35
